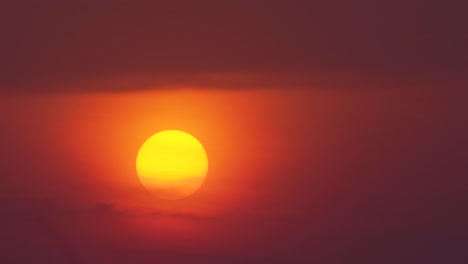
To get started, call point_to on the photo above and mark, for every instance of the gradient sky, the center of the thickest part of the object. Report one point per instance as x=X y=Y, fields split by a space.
x=336 y=131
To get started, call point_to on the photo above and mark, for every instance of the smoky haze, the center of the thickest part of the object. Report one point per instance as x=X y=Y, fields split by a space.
x=50 y=45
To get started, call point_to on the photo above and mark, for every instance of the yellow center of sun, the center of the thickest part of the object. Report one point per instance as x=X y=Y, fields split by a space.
x=172 y=164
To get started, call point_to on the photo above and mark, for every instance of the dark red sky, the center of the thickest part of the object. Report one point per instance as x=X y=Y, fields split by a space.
x=56 y=40
x=336 y=130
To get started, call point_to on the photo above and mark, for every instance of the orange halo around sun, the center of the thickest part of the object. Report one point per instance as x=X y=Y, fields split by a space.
x=172 y=164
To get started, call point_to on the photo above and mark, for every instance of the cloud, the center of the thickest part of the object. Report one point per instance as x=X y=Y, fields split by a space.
x=111 y=208
x=34 y=226
x=119 y=45
x=104 y=208
x=48 y=231
x=183 y=215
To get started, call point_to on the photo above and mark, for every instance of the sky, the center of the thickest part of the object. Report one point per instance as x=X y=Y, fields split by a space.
x=336 y=131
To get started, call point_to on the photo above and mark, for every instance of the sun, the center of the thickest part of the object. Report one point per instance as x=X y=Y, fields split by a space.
x=172 y=164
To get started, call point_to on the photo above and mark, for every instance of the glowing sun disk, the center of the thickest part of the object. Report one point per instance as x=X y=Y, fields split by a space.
x=172 y=164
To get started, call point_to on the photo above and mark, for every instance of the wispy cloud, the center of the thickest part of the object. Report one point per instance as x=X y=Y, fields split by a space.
x=113 y=46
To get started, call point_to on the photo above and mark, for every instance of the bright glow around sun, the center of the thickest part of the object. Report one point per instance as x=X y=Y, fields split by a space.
x=172 y=164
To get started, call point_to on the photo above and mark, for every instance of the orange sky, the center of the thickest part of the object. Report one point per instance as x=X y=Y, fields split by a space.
x=273 y=154
x=336 y=131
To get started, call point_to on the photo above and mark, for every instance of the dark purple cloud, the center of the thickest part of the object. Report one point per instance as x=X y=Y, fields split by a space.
x=55 y=41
